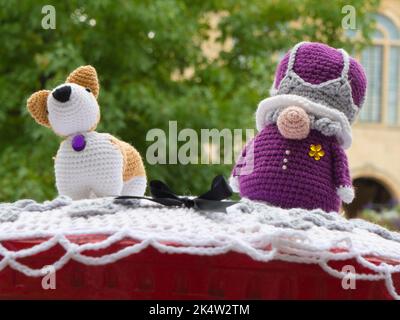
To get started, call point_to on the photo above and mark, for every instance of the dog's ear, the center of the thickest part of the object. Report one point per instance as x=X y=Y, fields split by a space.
x=86 y=76
x=37 y=107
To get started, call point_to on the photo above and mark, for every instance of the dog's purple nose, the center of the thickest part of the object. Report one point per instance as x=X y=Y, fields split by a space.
x=62 y=94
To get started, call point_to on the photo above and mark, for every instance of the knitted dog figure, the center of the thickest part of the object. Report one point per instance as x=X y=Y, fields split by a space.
x=88 y=163
x=297 y=159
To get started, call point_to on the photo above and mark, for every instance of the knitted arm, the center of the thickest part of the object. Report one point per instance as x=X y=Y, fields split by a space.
x=344 y=187
x=244 y=165
x=234 y=178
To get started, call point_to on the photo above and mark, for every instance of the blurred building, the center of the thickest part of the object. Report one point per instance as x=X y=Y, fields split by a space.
x=375 y=154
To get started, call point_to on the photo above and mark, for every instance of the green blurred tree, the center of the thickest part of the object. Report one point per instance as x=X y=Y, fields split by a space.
x=152 y=65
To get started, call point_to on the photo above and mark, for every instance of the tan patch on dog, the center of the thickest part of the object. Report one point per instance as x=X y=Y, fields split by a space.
x=37 y=107
x=132 y=161
x=86 y=76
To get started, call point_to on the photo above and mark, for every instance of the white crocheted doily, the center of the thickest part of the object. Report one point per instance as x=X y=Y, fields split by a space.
x=294 y=235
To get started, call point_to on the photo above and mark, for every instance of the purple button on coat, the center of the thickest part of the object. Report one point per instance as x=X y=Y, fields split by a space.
x=78 y=142
x=284 y=174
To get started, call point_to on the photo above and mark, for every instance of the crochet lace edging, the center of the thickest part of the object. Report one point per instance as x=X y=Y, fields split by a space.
x=285 y=245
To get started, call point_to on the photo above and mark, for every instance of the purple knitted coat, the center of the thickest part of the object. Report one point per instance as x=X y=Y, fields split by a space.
x=285 y=175
x=310 y=172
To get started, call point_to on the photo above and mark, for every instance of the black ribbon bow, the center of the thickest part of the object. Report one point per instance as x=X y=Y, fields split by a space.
x=208 y=201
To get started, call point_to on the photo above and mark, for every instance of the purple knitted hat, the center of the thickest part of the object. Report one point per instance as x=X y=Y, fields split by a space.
x=324 y=81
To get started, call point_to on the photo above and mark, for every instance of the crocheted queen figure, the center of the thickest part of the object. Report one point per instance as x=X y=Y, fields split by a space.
x=297 y=159
x=87 y=163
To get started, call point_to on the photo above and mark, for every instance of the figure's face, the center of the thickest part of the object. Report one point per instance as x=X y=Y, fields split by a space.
x=72 y=108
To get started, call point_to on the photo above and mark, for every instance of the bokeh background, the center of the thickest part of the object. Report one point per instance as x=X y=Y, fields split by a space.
x=202 y=63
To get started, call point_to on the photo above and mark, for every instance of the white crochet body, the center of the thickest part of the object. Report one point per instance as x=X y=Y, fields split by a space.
x=95 y=171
